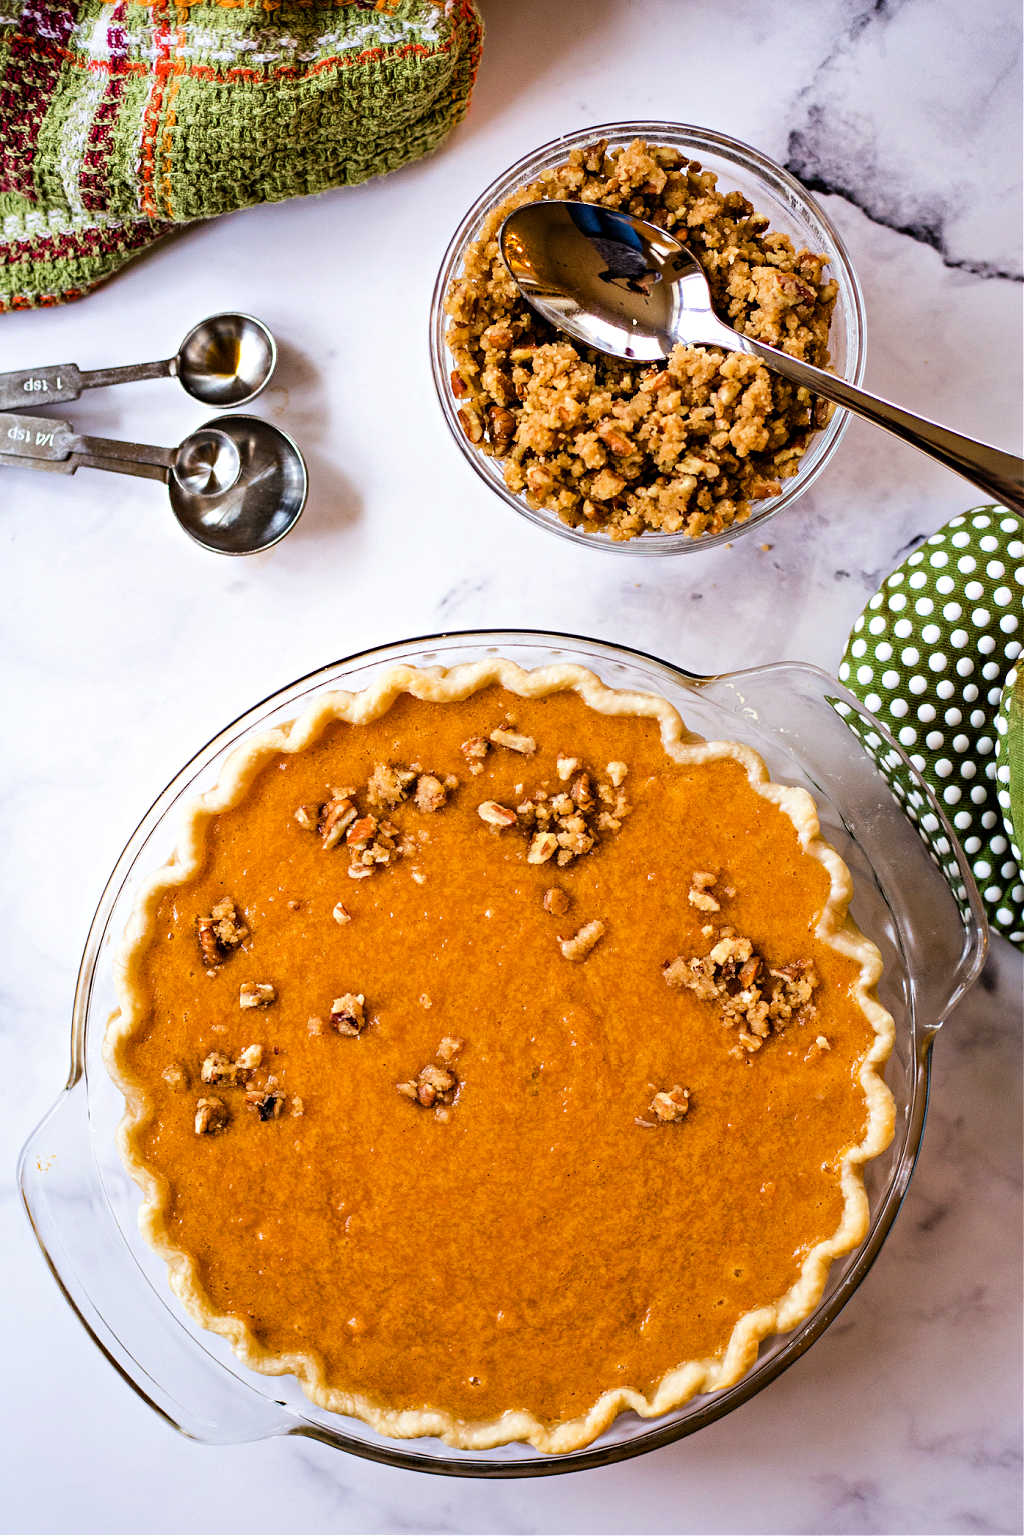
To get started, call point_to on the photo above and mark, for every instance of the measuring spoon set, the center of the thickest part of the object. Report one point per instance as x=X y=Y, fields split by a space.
x=236 y=486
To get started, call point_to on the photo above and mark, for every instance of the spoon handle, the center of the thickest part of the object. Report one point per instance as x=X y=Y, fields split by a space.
x=129 y=373
x=76 y=461
x=44 y=438
x=999 y=474
x=137 y=467
x=65 y=381
x=124 y=454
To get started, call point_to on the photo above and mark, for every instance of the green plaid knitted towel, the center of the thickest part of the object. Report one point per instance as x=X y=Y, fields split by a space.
x=935 y=655
x=121 y=119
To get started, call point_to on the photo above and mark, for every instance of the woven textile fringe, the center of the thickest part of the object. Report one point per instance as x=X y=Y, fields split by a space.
x=120 y=121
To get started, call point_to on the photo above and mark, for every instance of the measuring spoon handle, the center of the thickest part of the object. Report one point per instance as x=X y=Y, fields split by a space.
x=65 y=381
x=76 y=461
x=999 y=474
x=45 y=441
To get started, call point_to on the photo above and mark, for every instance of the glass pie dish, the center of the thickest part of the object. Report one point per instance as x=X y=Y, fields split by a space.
x=913 y=895
x=773 y=192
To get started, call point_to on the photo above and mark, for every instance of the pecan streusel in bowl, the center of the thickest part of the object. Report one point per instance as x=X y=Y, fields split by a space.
x=651 y=459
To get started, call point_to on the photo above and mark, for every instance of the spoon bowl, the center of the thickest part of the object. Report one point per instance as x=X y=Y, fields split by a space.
x=253 y=508
x=207 y=463
x=226 y=360
x=611 y=282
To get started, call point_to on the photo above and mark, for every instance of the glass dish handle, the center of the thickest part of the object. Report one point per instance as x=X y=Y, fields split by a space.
x=101 y=1279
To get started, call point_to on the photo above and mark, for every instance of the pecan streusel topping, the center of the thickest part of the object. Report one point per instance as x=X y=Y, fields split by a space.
x=757 y=999
x=618 y=446
x=668 y=1106
x=220 y=933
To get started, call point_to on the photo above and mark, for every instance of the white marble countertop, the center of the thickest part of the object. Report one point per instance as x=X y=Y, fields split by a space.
x=125 y=648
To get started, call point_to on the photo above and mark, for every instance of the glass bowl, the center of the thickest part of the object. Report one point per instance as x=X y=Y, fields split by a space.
x=773 y=192
x=928 y=924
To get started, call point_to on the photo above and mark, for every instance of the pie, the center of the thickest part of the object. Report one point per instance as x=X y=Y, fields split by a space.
x=499 y=1056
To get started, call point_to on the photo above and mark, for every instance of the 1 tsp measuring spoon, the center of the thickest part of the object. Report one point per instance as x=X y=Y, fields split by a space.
x=224 y=361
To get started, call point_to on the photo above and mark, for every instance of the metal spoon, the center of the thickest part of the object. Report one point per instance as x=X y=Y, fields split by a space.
x=236 y=486
x=223 y=361
x=629 y=288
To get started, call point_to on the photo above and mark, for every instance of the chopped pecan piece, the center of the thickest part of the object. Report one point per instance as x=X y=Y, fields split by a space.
x=211 y=1116
x=341 y=913
x=389 y=784
x=432 y=1086
x=218 y=1068
x=514 y=741
x=373 y=844
x=543 y=846
x=668 y=1106
x=574 y=839
x=336 y=815
x=176 y=1077
x=296 y=1106
x=616 y=772
x=268 y=1103
x=496 y=815
x=579 y=945
x=474 y=750
x=220 y=933
x=361 y=831
x=502 y=424
x=432 y=793
x=256 y=994
x=581 y=792
x=700 y=896
x=348 y=1013
x=619 y=444
x=435 y=1085
x=470 y=422
x=249 y=1059
x=566 y=767
x=308 y=817
x=556 y=901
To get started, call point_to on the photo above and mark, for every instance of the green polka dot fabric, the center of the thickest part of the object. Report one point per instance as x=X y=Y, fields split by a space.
x=1010 y=760
x=933 y=657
